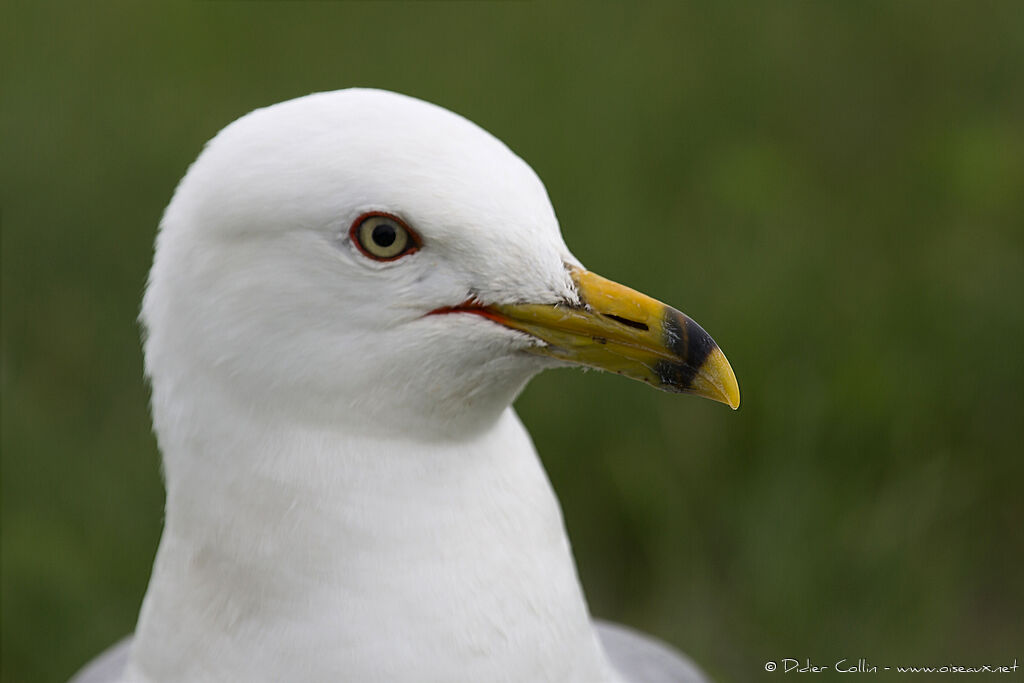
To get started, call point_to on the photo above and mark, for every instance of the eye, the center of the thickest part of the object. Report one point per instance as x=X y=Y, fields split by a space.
x=383 y=237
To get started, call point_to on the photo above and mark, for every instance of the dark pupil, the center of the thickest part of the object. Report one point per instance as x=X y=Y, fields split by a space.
x=384 y=235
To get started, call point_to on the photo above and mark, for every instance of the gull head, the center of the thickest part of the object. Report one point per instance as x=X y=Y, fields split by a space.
x=366 y=259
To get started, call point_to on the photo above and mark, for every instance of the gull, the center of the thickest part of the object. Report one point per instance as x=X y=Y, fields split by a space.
x=348 y=291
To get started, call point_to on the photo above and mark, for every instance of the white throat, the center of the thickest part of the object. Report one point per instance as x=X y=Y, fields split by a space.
x=296 y=553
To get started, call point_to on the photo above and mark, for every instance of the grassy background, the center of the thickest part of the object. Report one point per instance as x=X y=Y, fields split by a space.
x=834 y=190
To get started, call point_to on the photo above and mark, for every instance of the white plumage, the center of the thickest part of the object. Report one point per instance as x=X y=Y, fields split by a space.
x=350 y=496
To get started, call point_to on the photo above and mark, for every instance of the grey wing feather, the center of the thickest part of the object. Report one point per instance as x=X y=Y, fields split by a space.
x=640 y=658
x=107 y=667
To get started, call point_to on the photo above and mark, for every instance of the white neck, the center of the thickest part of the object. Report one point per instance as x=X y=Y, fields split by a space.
x=295 y=553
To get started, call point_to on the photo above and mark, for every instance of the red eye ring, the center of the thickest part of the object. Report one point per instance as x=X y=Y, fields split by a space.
x=383 y=236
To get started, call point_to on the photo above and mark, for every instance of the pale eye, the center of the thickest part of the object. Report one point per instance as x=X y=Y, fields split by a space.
x=383 y=237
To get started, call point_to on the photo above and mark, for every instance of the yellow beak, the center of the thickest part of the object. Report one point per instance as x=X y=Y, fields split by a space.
x=623 y=331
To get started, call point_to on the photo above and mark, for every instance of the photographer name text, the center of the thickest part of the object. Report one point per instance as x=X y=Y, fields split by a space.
x=862 y=665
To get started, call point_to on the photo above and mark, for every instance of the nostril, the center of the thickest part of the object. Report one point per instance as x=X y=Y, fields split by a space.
x=626 y=321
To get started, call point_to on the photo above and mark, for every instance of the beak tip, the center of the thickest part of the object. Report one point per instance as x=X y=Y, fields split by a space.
x=716 y=380
x=734 y=401
x=732 y=387
x=730 y=395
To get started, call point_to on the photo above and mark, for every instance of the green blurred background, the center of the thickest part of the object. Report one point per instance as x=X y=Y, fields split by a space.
x=834 y=190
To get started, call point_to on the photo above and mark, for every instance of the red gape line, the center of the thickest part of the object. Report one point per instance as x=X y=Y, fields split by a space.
x=470 y=306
